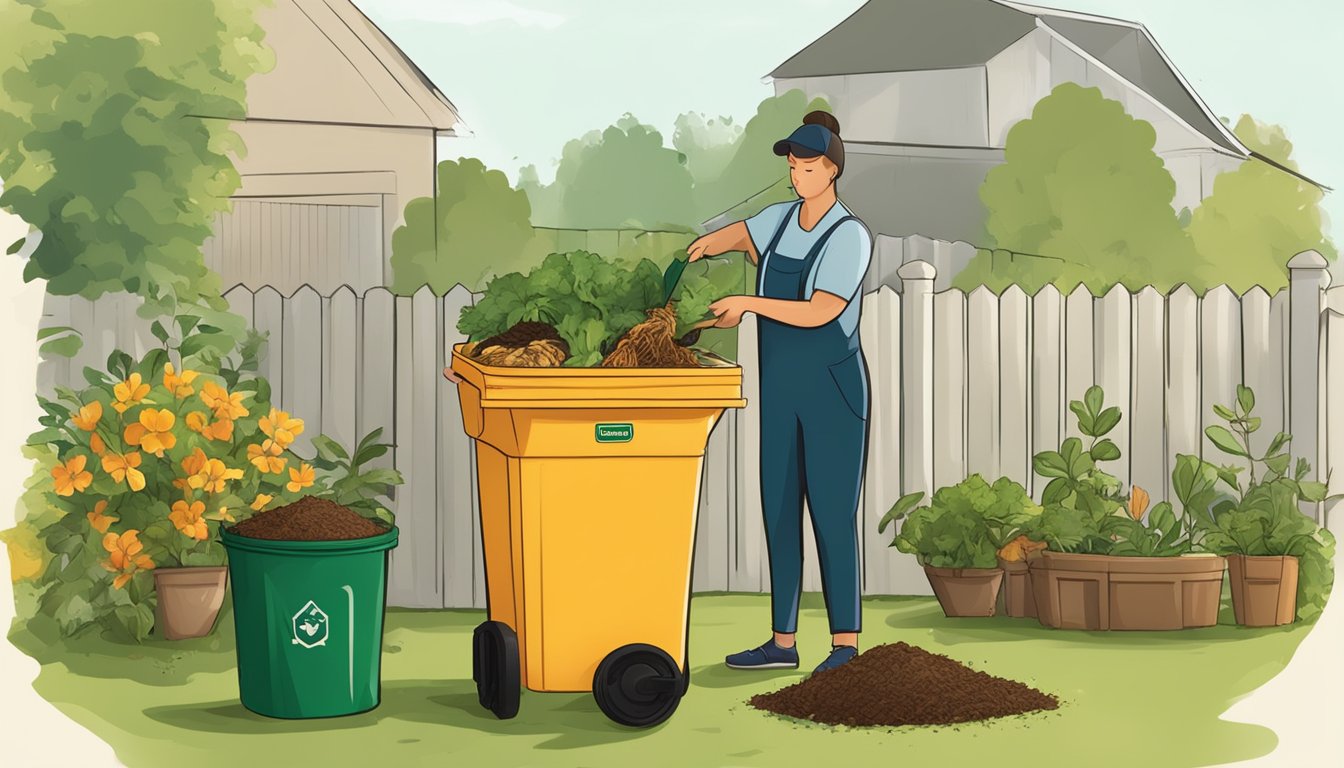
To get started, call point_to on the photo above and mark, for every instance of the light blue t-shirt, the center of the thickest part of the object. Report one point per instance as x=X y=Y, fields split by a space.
x=840 y=266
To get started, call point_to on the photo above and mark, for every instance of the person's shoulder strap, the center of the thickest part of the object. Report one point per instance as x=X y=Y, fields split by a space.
x=783 y=225
x=817 y=247
x=774 y=241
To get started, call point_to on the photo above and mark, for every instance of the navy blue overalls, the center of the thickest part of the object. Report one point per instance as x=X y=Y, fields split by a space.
x=814 y=442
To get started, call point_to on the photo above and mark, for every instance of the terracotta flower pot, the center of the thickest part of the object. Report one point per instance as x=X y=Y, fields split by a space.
x=1264 y=589
x=189 y=600
x=965 y=591
x=1101 y=592
x=1019 y=602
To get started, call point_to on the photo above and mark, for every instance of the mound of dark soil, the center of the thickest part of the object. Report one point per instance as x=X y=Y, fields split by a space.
x=900 y=684
x=309 y=519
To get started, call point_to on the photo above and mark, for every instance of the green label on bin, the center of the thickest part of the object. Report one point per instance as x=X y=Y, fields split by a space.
x=615 y=433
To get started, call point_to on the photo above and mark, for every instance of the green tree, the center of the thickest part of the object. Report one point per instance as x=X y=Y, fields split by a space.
x=627 y=179
x=481 y=227
x=709 y=144
x=754 y=166
x=110 y=146
x=1082 y=187
x=1258 y=216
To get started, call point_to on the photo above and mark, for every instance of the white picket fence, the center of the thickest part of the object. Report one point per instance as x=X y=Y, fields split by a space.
x=961 y=384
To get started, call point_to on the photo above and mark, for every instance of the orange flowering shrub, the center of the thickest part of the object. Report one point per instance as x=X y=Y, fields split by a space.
x=149 y=461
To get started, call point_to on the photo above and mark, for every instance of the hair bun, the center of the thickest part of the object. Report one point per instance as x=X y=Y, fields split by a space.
x=824 y=119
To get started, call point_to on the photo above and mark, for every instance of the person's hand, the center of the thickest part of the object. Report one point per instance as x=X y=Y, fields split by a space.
x=696 y=250
x=729 y=310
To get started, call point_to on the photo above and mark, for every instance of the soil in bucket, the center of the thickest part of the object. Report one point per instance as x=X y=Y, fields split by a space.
x=309 y=519
x=900 y=684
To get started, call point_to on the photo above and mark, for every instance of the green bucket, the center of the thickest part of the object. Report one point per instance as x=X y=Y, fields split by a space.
x=308 y=616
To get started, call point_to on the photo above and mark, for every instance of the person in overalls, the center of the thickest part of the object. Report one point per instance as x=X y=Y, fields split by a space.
x=811 y=256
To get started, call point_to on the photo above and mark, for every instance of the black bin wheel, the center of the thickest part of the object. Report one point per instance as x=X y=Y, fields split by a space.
x=494 y=667
x=638 y=685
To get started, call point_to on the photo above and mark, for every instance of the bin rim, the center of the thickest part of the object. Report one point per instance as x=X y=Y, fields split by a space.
x=378 y=543
x=709 y=371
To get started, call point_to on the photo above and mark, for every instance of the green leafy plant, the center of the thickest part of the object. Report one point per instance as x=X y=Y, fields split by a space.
x=342 y=473
x=964 y=525
x=1080 y=496
x=1264 y=516
x=589 y=300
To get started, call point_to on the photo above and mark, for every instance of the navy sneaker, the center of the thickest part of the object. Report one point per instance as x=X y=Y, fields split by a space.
x=767 y=656
x=839 y=655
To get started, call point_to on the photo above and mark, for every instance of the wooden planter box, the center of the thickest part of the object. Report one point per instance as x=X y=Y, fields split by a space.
x=1017 y=599
x=1264 y=589
x=965 y=591
x=1100 y=592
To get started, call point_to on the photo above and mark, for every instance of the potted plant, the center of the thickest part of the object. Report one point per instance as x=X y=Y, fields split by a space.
x=957 y=537
x=1259 y=527
x=146 y=463
x=1110 y=562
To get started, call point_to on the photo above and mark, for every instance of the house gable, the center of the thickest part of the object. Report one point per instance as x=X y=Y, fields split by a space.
x=333 y=65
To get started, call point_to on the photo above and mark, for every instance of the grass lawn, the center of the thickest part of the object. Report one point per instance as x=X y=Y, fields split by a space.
x=1128 y=699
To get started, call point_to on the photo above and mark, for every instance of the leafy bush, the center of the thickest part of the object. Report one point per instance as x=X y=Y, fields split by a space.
x=588 y=299
x=1264 y=517
x=147 y=462
x=965 y=525
x=1080 y=497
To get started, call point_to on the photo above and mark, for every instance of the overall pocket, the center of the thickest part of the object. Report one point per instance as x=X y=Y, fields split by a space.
x=851 y=378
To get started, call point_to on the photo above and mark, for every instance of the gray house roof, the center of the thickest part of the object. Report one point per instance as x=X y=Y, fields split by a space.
x=915 y=35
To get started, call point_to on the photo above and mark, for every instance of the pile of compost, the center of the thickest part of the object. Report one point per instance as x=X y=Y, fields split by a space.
x=900 y=684
x=309 y=519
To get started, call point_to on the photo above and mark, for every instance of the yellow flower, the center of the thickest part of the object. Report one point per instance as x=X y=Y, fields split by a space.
x=221 y=430
x=122 y=468
x=154 y=432
x=1138 y=503
x=193 y=464
x=98 y=520
x=281 y=428
x=264 y=460
x=96 y=445
x=213 y=475
x=179 y=385
x=261 y=501
x=124 y=556
x=88 y=416
x=188 y=519
x=300 y=478
x=224 y=405
x=70 y=477
x=129 y=393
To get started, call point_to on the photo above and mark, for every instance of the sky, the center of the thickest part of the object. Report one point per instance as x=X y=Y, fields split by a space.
x=529 y=75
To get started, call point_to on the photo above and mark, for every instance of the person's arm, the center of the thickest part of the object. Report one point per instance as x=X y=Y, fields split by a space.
x=817 y=311
x=733 y=237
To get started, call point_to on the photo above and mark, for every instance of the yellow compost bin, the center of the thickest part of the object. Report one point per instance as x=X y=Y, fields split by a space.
x=589 y=483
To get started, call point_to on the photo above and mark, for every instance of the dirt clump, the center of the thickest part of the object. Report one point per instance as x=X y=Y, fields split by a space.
x=900 y=684
x=652 y=344
x=309 y=519
x=526 y=344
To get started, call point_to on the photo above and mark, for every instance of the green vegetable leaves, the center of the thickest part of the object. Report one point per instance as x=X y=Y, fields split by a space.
x=964 y=525
x=589 y=300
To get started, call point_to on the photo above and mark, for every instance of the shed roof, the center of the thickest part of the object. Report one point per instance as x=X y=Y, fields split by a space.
x=334 y=65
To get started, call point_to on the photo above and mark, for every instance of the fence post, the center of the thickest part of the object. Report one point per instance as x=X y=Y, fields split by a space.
x=917 y=375
x=1308 y=279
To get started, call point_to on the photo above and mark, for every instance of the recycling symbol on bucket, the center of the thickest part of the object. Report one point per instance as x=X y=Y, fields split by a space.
x=310 y=626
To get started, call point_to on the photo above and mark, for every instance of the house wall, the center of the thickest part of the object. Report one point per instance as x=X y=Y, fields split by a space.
x=943 y=107
x=900 y=191
x=347 y=168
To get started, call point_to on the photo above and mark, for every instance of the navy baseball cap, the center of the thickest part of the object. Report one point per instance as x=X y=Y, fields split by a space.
x=807 y=141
